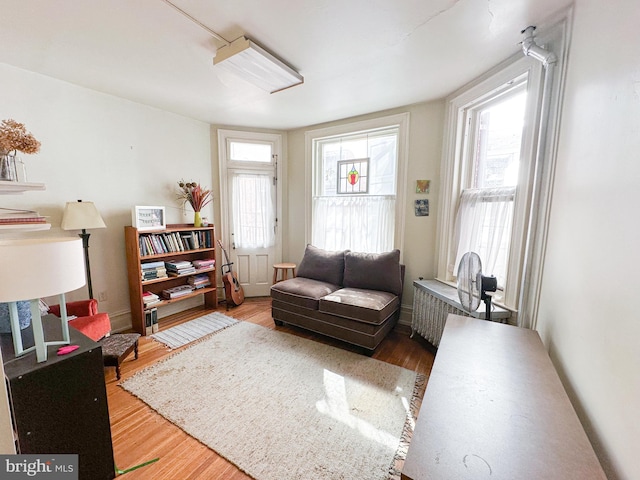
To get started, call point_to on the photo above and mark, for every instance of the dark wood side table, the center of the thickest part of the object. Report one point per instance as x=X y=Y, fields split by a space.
x=60 y=406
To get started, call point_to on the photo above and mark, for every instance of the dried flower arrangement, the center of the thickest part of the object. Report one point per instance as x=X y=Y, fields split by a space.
x=194 y=194
x=14 y=136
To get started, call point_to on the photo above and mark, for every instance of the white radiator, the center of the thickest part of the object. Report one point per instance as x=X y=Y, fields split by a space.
x=433 y=301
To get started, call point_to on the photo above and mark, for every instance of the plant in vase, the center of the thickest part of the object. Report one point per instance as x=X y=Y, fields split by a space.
x=196 y=196
x=14 y=138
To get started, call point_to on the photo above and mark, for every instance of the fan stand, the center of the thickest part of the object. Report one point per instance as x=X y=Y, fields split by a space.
x=489 y=285
x=487 y=302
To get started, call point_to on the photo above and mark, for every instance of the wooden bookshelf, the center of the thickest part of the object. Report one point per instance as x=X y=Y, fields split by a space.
x=176 y=242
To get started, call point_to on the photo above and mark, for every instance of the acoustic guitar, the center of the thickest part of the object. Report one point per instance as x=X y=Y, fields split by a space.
x=232 y=289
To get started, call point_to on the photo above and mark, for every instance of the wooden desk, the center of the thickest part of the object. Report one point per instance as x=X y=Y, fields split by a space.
x=495 y=408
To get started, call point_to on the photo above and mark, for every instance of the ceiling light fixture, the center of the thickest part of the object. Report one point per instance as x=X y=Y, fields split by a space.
x=249 y=61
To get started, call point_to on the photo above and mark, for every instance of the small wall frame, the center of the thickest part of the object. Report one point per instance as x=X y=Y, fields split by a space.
x=148 y=218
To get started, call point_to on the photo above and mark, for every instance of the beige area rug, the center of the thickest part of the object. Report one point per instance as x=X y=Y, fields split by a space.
x=282 y=407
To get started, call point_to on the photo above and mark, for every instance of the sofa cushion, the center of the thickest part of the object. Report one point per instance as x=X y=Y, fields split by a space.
x=369 y=306
x=322 y=265
x=373 y=271
x=301 y=291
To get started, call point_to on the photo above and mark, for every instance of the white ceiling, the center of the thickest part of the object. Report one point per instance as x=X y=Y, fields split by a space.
x=357 y=56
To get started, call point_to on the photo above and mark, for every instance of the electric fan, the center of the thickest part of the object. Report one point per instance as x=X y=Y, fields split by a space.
x=473 y=286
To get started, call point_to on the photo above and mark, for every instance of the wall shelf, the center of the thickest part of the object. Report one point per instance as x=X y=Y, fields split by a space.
x=17 y=188
x=13 y=188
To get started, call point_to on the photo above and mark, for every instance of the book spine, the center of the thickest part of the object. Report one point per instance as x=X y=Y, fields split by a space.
x=147 y=322
x=154 y=320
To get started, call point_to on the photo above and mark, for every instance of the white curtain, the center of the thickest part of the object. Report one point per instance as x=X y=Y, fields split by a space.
x=359 y=223
x=253 y=210
x=483 y=225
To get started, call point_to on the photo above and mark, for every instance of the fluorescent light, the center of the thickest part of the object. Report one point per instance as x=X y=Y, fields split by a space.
x=244 y=58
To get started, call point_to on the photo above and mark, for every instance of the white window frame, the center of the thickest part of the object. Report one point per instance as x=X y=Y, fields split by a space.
x=401 y=121
x=523 y=288
x=458 y=163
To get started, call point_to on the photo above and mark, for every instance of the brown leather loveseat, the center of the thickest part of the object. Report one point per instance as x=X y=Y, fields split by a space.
x=353 y=297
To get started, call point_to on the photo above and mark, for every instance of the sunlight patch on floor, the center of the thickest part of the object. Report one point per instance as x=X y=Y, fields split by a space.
x=336 y=405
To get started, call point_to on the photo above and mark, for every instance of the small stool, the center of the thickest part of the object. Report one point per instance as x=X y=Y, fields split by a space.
x=284 y=267
x=116 y=347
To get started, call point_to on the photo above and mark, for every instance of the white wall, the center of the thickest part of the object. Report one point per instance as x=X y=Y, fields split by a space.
x=425 y=144
x=588 y=315
x=104 y=149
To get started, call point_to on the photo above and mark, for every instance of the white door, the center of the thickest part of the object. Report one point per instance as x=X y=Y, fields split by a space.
x=250 y=204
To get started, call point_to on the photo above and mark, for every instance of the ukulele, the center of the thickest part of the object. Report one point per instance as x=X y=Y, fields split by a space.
x=232 y=289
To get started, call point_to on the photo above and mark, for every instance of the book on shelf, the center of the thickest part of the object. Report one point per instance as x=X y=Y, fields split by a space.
x=182 y=241
x=178 y=291
x=154 y=320
x=199 y=281
x=150 y=265
x=154 y=274
x=12 y=216
x=177 y=264
x=150 y=298
x=179 y=267
x=148 y=327
x=204 y=263
x=181 y=272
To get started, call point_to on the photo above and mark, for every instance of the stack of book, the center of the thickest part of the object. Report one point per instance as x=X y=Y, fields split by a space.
x=153 y=270
x=175 y=268
x=151 y=321
x=150 y=298
x=11 y=216
x=178 y=291
x=203 y=264
x=199 y=281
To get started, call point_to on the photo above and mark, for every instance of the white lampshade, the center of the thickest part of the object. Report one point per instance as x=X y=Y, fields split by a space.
x=249 y=61
x=40 y=267
x=81 y=215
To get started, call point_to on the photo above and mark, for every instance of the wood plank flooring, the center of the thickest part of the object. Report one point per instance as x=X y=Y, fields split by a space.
x=139 y=434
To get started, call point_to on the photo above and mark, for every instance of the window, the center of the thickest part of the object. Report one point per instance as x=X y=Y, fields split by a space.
x=525 y=246
x=488 y=163
x=354 y=190
x=485 y=212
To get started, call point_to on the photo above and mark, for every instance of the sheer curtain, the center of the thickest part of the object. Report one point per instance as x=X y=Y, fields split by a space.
x=359 y=223
x=483 y=225
x=252 y=209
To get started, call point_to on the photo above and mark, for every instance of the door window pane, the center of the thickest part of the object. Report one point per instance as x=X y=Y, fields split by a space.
x=249 y=152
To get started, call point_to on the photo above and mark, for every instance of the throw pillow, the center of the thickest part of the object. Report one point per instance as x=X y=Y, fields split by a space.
x=322 y=265
x=373 y=271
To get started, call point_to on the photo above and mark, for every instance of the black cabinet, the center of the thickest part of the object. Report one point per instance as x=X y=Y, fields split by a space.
x=60 y=406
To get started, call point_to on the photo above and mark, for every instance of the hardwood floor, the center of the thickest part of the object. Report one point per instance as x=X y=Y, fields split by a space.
x=139 y=434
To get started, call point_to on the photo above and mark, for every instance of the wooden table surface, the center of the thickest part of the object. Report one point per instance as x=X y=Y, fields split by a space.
x=495 y=408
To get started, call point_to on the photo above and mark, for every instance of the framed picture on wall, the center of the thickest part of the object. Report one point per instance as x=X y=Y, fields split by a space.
x=422 y=208
x=148 y=218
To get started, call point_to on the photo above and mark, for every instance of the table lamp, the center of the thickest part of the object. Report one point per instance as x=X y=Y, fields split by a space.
x=82 y=216
x=33 y=268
